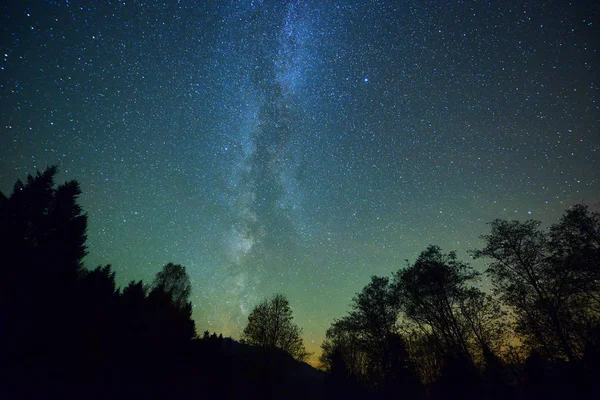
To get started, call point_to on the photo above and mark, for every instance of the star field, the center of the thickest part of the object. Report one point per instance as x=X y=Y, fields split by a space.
x=299 y=146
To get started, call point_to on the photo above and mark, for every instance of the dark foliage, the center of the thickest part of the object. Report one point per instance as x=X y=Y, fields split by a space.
x=431 y=292
x=270 y=325
x=365 y=354
x=458 y=379
x=456 y=337
x=550 y=279
x=42 y=234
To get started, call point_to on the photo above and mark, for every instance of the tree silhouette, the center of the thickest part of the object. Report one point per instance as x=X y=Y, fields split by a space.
x=95 y=321
x=339 y=382
x=453 y=328
x=425 y=352
x=373 y=319
x=270 y=325
x=458 y=379
x=550 y=279
x=42 y=234
x=431 y=293
x=342 y=350
x=169 y=305
x=174 y=281
x=486 y=320
x=367 y=344
x=133 y=308
x=401 y=377
x=575 y=255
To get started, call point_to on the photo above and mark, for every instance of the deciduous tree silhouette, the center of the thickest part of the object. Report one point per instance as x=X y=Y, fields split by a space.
x=270 y=325
x=171 y=310
x=431 y=293
x=366 y=342
x=174 y=281
x=450 y=321
x=550 y=279
x=373 y=319
x=486 y=320
x=401 y=377
x=458 y=379
x=373 y=316
x=342 y=348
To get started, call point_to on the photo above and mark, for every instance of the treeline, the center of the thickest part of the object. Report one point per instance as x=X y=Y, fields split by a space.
x=66 y=329
x=69 y=332
x=428 y=331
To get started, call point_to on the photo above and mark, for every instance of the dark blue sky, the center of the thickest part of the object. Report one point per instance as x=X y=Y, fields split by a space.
x=300 y=146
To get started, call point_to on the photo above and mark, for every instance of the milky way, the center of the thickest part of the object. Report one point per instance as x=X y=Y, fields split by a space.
x=263 y=65
x=300 y=146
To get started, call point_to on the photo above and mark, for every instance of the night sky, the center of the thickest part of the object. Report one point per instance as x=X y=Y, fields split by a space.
x=300 y=146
